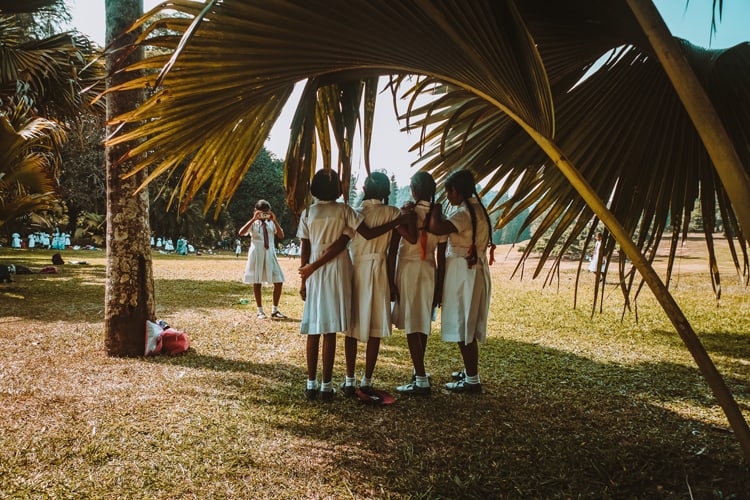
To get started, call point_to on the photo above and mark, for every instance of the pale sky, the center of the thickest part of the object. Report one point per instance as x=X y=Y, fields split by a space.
x=390 y=146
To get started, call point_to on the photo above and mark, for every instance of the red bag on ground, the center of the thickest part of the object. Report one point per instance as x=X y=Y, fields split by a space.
x=165 y=340
x=174 y=342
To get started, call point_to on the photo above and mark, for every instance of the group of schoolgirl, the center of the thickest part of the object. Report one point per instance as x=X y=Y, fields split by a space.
x=393 y=258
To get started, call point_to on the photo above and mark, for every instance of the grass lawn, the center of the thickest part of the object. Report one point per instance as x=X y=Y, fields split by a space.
x=575 y=405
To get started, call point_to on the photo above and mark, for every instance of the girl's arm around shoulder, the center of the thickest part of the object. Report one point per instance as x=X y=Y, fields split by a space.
x=409 y=230
x=373 y=232
x=391 y=265
x=310 y=267
x=437 y=297
x=437 y=224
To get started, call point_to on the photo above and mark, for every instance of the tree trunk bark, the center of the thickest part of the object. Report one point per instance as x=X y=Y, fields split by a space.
x=129 y=290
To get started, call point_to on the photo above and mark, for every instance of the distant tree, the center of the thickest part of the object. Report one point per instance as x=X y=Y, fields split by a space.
x=170 y=220
x=46 y=21
x=82 y=172
x=353 y=191
x=41 y=89
x=509 y=232
x=403 y=195
x=393 y=198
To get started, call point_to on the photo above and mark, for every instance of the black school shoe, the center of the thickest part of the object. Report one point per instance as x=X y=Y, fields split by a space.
x=327 y=395
x=348 y=391
x=462 y=386
x=311 y=394
x=413 y=389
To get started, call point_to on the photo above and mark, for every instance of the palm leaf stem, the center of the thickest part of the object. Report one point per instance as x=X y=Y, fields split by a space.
x=658 y=288
x=699 y=107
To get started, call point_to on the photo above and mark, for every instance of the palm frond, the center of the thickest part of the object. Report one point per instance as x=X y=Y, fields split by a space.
x=244 y=55
x=57 y=76
x=648 y=173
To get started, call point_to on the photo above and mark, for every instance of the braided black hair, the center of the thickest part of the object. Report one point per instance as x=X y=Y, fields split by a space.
x=462 y=181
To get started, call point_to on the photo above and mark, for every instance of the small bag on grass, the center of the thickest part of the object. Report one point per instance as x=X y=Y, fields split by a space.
x=165 y=340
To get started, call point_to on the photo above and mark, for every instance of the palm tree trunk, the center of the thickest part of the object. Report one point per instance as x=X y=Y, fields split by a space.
x=129 y=289
x=699 y=107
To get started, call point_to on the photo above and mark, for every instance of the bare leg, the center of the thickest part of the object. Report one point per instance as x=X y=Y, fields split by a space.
x=277 y=293
x=417 y=344
x=311 y=352
x=329 y=353
x=470 y=354
x=371 y=357
x=350 y=350
x=258 y=297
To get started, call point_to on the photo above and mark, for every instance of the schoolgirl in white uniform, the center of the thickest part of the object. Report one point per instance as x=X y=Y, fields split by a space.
x=371 y=292
x=416 y=284
x=326 y=272
x=466 y=285
x=262 y=264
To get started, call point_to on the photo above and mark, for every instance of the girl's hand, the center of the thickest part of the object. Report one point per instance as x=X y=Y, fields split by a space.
x=395 y=295
x=305 y=271
x=303 y=291
x=407 y=216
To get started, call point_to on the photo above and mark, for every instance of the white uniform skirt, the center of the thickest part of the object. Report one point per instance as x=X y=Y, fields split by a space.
x=466 y=300
x=262 y=266
x=371 y=301
x=329 y=297
x=415 y=279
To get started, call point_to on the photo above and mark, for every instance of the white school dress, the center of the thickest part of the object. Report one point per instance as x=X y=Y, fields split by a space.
x=371 y=294
x=595 y=257
x=329 y=289
x=466 y=292
x=262 y=265
x=415 y=277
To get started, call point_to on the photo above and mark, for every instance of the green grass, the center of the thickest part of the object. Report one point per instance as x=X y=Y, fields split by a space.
x=575 y=405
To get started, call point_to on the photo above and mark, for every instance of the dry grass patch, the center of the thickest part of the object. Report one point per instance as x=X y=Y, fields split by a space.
x=574 y=406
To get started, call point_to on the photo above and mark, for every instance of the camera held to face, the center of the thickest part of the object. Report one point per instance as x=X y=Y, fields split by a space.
x=264 y=216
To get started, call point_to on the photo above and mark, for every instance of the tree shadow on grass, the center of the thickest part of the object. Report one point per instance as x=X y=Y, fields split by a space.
x=549 y=424
x=75 y=293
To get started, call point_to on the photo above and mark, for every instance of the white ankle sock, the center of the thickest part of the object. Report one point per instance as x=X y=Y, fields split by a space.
x=422 y=381
x=350 y=380
x=326 y=386
x=474 y=379
x=275 y=309
x=365 y=381
x=312 y=384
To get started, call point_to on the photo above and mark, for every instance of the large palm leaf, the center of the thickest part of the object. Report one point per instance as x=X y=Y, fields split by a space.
x=644 y=182
x=237 y=77
x=241 y=58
